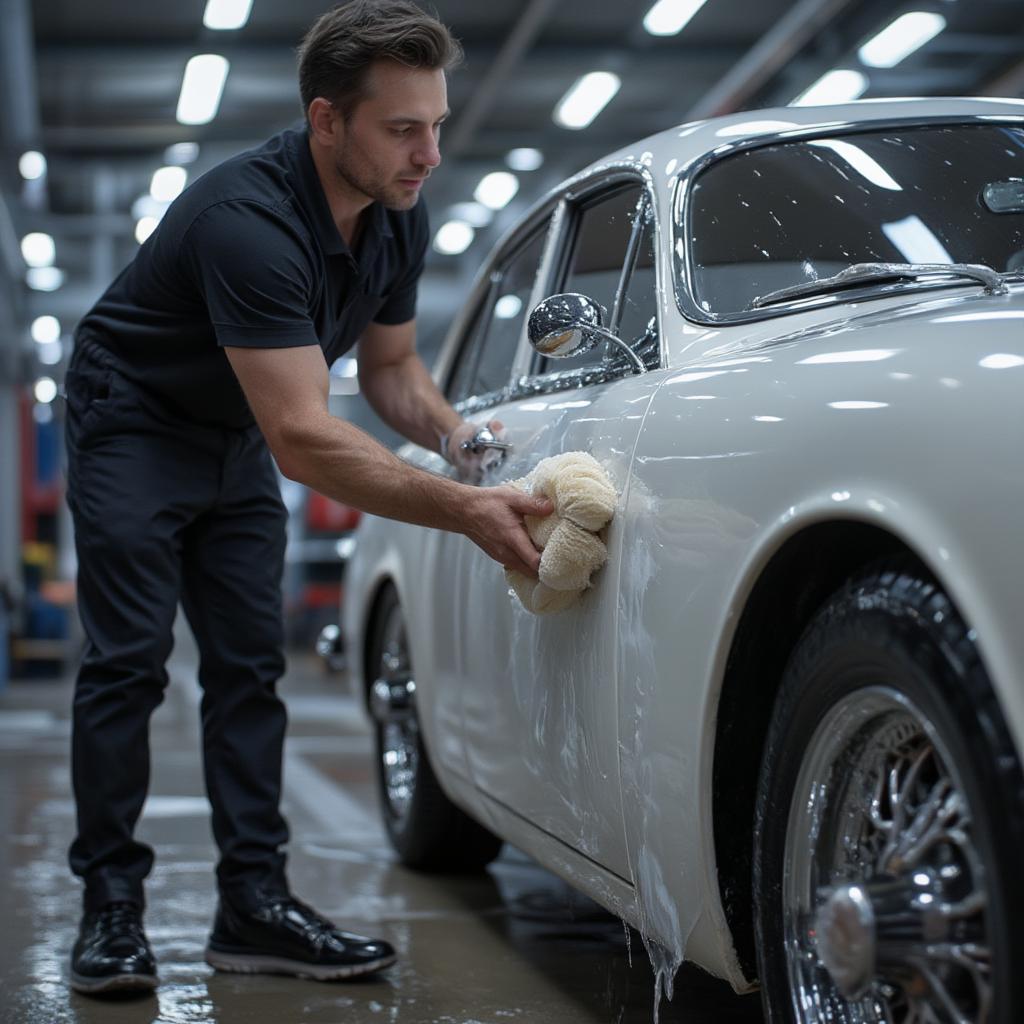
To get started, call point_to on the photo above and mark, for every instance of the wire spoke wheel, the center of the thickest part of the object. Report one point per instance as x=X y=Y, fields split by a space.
x=885 y=903
x=392 y=701
x=428 y=831
x=889 y=821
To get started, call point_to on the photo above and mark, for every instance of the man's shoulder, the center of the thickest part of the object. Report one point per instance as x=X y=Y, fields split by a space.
x=252 y=191
x=254 y=178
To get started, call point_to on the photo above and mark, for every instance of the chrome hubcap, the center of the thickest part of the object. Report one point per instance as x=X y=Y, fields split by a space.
x=884 y=902
x=392 y=704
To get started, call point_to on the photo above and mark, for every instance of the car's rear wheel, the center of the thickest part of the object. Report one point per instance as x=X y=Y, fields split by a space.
x=427 y=830
x=890 y=821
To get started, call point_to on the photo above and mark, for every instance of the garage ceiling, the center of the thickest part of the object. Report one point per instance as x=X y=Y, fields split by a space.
x=94 y=86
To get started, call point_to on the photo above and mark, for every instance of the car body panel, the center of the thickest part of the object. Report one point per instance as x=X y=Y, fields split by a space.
x=902 y=411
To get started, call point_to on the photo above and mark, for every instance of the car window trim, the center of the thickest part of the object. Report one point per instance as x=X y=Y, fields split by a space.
x=465 y=327
x=544 y=384
x=629 y=262
x=578 y=198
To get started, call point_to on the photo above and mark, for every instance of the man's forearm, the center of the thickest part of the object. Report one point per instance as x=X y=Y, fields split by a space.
x=341 y=461
x=405 y=396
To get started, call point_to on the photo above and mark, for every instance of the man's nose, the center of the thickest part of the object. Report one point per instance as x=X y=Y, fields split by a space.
x=429 y=154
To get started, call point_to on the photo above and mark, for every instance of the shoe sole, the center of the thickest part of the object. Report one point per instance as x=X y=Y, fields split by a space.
x=259 y=963
x=116 y=984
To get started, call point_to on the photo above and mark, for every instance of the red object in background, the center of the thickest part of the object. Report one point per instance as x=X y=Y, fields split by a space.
x=321 y=595
x=39 y=497
x=329 y=515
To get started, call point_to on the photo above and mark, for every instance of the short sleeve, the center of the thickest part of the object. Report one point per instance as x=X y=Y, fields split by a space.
x=255 y=274
x=401 y=304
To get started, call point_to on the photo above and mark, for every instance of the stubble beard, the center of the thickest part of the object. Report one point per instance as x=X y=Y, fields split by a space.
x=366 y=180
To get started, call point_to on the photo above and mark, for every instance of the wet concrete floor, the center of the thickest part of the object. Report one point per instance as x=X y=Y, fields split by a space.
x=513 y=945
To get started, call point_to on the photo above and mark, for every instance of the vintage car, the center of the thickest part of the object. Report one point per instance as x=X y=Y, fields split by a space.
x=781 y=732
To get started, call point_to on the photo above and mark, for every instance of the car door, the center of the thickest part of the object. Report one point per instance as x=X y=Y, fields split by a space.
x=540 y=693
x=475 y=374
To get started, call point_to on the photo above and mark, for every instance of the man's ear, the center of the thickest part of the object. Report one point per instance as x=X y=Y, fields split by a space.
x=324 y=121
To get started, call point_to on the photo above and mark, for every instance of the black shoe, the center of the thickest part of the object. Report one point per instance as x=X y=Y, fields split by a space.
x=112 y=953
x=281 y=935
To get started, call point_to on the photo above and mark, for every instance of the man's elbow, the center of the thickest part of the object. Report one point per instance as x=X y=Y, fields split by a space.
x=290 y=443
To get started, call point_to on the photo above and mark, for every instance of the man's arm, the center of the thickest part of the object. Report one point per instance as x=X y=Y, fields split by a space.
x=399 y=388
x=287 y=390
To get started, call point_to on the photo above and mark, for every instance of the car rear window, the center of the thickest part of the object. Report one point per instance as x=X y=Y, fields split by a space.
x=788 y=213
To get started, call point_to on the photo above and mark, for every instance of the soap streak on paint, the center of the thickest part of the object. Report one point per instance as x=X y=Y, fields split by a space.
x=558 y=665
x=662 y=931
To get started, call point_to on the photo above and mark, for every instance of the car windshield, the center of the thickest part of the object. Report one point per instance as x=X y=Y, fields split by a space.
x=791 y=213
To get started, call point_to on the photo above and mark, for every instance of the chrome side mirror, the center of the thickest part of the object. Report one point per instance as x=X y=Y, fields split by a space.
x=558 y=325
x=568 y=324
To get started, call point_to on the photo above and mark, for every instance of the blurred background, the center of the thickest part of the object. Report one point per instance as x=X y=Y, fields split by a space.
x=100 y=129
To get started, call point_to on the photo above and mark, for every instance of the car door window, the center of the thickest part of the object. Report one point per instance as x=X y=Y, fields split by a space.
x=611 y=260
x=485 y=360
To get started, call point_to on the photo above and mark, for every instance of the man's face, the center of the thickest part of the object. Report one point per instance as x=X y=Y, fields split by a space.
x=389 y=145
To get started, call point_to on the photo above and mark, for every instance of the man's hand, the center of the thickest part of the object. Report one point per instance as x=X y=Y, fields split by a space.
x=494 y=522
x=471 y=466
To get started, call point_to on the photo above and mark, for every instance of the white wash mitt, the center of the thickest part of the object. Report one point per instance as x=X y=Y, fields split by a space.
x=571 y=550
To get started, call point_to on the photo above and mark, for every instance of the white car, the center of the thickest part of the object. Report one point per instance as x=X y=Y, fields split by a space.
x=781 y=733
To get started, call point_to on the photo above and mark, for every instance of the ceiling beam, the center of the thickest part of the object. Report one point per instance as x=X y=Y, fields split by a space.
x=19 y=103
x=526 y=29
x=792 y=33
x=1009 y=83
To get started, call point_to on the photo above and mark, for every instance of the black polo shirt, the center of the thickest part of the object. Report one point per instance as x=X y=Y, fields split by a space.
x=249 y=256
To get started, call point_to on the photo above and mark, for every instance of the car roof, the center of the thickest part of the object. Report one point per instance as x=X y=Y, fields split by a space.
x=684 y=144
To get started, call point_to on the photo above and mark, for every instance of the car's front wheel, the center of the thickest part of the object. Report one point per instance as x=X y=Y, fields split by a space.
x=426 y=829
x=890 y=821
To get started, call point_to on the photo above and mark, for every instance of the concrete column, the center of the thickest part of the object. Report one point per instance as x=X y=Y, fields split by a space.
x=10 y=486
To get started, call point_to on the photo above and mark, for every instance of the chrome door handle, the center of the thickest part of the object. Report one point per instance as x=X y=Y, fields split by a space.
x=483 y=440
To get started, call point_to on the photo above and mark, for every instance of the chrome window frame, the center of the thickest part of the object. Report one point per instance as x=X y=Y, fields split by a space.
x=482 y=288
x=683 y=277
x=604 y=179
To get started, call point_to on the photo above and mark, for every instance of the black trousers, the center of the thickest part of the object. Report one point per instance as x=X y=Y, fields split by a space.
x=167 y=511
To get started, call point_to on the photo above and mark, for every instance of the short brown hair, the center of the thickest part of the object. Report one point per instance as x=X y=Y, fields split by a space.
x=336 y=53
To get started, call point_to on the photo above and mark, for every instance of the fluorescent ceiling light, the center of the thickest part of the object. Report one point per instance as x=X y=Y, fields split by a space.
x=37 y=249
x=226 y=14
x=145 y=227
x=863 y=164
x=345 y=366
x=50 y=353
x=916 y=241
x=32 y=165
x=167 y=183
x=507 y=307
x=147 y=206
x=181 y=153
x=586 y=99
x=839 y=86
x=476 y=215
x=454 y=237
x=201 y=88
x=44 y=279
x=900 y=39
x=669 y=17
x=45 y=390
x=45 y=329
x=524 y=159
x=496 y=189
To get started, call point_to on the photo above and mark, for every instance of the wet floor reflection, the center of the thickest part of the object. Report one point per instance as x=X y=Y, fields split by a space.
x=515 y=944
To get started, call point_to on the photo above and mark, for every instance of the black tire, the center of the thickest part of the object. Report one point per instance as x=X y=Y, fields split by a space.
x=429 y=833
x=888 y=676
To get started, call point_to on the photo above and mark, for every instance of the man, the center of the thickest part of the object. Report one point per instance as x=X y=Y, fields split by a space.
x=207 y=354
